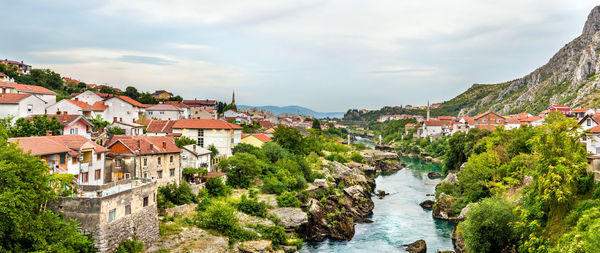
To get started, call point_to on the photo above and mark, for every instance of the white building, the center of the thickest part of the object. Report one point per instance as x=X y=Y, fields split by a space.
x=433 y=128
x=164 y=112
x=45 y=94
x=20 y=105
x=222 y=134
x=194 y=156
x=71 y=154
x=122 y=109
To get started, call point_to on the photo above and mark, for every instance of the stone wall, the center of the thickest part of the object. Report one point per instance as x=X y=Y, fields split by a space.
x=142 y=225
x=182 y=209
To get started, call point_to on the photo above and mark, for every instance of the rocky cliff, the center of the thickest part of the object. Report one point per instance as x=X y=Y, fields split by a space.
x=570 y=77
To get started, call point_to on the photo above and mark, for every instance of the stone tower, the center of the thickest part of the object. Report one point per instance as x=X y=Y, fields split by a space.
x=428 y=110
x=233 y=98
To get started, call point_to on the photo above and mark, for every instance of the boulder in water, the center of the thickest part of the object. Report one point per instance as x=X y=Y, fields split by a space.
x=433 y=175
x=381 y=194
x=443 y=208
x=428 y=204
x=417 y=247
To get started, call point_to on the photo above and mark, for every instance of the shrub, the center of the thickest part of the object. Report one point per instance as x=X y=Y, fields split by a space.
x=252 y=206
x=448 y=188
x=274 y=151
x=172 y=194
x=488 y=227
x=584 y=237
x=220 y=217
x=204 y=204
x=336 y=157
x=241 y=168
x=216 y=188
x=357 y=157
x=130 y=246
x=288 y=199
x=275 y=234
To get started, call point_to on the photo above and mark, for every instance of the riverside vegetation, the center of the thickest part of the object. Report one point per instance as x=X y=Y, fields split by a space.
x=271 y=193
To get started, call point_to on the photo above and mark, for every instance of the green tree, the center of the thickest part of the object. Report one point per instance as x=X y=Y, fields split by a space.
x=214 y=152
x=316 y=124
x=229 y=107
x=132 y=92
x=25 y=191
x=183 y=141
x=25 y=127
x=288 y=199
x=99 y=123
x=216 y=187
x=488 y=227
x=147 y=98
x=115 y=131
x=289 y=138
x=274 y=151
x=241 y=169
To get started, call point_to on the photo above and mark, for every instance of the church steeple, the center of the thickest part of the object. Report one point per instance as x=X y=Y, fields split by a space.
x=233 y=98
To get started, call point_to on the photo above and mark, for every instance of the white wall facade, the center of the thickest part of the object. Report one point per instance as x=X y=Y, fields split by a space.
x=63 y=106
x=223 y=139
x=89 y=97
x=164 y=115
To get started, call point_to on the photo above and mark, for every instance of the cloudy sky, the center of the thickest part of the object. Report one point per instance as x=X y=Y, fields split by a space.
x=325 y=55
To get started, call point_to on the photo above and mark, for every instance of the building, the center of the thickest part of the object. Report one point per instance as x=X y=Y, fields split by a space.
x=433 y=128
x=589 y=121
x=20 y=105
x=182 y=106
x=129 y=128
x=256 y=140
x=164 y=112
x=113 y=213
x=22 y=68
x=45 y=94
x=160 y=127
x=592 y=140
x=150 y=157
x=123 y=109
x=489 y=120
x=222 y=134
x=194 y=156
x=560 y=108
x=5 y=78
x=162 y=95
x=204 y=104
x=72 y=124
x=72 y=107
x=70 y=154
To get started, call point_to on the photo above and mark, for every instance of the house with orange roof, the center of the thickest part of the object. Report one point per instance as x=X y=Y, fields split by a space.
x=72 y=124
x=433 y=129
x=579 y=113
x=489 y=120
x=72 y=107
x=72 y=154
x=45 y=94
x=164 y=112
x=159 y=127
x=222 y=134
x=182 y=106
x=6 y=78
x=149 y=157
x=589 y=121
x=20 y=105
x=205 y=104
x=256 y=140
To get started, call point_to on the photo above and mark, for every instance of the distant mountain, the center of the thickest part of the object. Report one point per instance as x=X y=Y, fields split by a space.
x=295 y=110
x=571 y=77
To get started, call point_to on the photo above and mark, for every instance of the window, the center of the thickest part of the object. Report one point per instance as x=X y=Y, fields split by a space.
x=201 y=142
x=498 y=121
x=145 y=174
x=98 y=174
x=482 y=120
x=29 y=108
x=87 y=156
x=73 y=131
x=145 y=161
x=62 y=157
x=171 y=159
x=159 y=173
x=128 y=209
x=145 y=201
x=589 y=122
x=118 y=162
x=98 y=157
x=84 y=177
x=149 y=113
x=111 y=214
x=231 y=140
x=161 y=113
x=172 y=172
x=159 y=160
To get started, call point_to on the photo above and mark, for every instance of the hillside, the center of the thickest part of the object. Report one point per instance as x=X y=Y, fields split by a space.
x=570 y=77
x=295 y=110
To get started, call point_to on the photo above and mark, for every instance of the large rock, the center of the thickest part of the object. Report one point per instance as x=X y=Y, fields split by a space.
x=320 y=182
x=463 y=213
x=428 y=204
x=417 y=247
x=451 y=178
x=349 y=176
x=290 y=217
x=434 y=175
x=260 y=246
x=443 y=209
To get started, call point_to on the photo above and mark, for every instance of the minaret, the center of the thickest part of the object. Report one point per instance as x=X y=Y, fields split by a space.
x=233 y=98
x=427 y=110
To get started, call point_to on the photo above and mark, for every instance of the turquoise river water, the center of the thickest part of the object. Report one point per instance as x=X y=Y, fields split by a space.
x=397 y=219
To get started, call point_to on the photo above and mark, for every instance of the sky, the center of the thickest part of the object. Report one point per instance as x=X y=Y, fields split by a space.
x=324 y=55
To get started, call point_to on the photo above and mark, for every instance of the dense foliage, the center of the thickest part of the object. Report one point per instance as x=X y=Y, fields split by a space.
x=252 y=206
x=489 y=226
x=172 y=195
x=35 y=127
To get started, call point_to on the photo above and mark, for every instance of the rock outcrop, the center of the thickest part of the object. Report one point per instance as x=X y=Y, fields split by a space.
x=335 y=215
x=290 y=217
x=434 y=175
x=417 y=247
x=260 y=246
x=427 y=204
x=443 y=208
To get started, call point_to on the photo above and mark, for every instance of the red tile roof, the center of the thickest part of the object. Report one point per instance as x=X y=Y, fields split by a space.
x=513 y=121
x=99 y=106
x=486 y=113
x=80 y=104
x=581 y=109
x=434 y=123
x=265 y=124
x=28 y=88
x=262 y=137
x=44 y=145
x=177 y=103
x=204 y=124
x=194 y=103
x=594 y=130
x=143 y=145
x=160 y=126
x=530 y=119
x=12 y=98
x=445 y=118
x=131 y=101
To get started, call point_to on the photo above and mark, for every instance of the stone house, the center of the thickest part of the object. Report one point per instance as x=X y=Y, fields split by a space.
x=20 y=105
x=432 y=128
x=150 y=157
x=194 y=156
x=115 y=212
x=222 y=134
x=72 y=154
x=489 y=120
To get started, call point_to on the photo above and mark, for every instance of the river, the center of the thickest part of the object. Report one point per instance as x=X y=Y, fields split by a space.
x=398 y=218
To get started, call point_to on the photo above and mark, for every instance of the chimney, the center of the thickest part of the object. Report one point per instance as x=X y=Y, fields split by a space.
x=114 y=119
x=120 y=119
x=151 y=146
x=65 y=114
x=164 y=145
x=58 y=112
x=194 y=148
x=76 y=99
x=48 y=133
